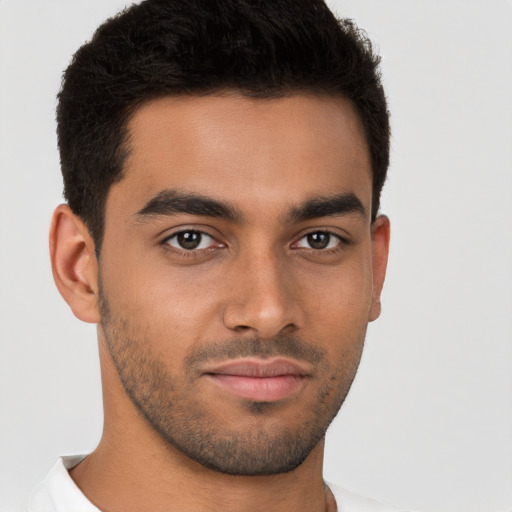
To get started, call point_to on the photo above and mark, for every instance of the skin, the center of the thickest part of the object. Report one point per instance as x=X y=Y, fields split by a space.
x=255 y=277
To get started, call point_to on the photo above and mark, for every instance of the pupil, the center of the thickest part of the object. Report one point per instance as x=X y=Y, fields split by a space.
x=189 y=239
x=318 y=240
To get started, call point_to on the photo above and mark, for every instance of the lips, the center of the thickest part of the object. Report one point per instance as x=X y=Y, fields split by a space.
x=259 y=380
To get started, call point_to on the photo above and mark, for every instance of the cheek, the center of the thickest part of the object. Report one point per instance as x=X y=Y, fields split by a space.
x=167 y=309
x=338 y=299
x=160 y=303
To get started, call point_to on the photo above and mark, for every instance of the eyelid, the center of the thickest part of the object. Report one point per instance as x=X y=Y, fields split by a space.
x=343 y=239
x=167 y=233
x=184 y=229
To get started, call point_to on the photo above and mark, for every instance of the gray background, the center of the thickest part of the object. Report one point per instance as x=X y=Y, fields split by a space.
x=428 y=424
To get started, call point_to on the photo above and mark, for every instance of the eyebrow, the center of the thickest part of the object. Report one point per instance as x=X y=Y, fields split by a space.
x=172 y=202
x=330 y=206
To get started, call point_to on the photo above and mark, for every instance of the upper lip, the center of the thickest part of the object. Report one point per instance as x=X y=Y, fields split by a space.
x=252 y=367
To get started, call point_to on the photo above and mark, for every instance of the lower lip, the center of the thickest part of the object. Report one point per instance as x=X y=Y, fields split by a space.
x=259 y=389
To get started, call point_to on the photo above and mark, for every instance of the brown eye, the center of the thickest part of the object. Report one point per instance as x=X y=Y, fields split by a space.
x=190 y=240
x=319 y=240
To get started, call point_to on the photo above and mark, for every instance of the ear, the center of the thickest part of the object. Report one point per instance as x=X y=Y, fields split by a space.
x=74 y=265
x=380 y=250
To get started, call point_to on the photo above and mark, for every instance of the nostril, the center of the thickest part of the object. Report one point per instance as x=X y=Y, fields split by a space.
x=289 y=328
x=242 y=328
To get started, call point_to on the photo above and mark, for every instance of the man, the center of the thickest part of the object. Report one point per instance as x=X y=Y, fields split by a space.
x=222 y=163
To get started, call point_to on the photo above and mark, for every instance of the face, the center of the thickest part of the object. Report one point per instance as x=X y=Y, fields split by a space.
x=238 y=273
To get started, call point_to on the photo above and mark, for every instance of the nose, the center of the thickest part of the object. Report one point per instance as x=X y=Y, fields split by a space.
x=263 y=297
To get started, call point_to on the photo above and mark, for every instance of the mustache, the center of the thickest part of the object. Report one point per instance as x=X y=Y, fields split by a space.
x=283 y=345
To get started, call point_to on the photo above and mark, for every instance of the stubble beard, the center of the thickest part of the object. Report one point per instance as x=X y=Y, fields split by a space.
x=174 y=410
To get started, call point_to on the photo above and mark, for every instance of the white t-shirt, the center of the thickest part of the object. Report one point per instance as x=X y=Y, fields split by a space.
x=58 y=493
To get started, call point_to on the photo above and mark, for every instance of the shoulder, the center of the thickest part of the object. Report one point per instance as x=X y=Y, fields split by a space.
x=57 y=492
x=348 y=501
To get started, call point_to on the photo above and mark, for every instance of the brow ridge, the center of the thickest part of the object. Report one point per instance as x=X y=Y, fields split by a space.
x=173 y=202
x=327 y=206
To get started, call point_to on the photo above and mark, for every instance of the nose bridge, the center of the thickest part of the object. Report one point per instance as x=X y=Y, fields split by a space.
x=262 y=294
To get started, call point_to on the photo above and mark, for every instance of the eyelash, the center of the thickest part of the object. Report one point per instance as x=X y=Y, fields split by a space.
x=327 y=250
x=197 y=253
x=190 y=253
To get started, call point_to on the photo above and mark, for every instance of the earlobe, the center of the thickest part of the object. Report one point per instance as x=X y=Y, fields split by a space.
x=74 y=264
x=380 y=250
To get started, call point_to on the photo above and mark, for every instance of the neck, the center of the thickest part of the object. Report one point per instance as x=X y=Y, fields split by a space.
x=116 y=479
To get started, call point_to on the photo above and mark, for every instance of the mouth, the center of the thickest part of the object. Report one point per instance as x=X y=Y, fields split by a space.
x=259 y=380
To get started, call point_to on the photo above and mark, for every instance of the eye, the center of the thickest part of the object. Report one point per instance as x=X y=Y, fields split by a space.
x=190 y=240
x=319 y=240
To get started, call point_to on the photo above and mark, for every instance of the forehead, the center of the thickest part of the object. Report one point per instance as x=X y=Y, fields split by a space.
x=256 y=151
